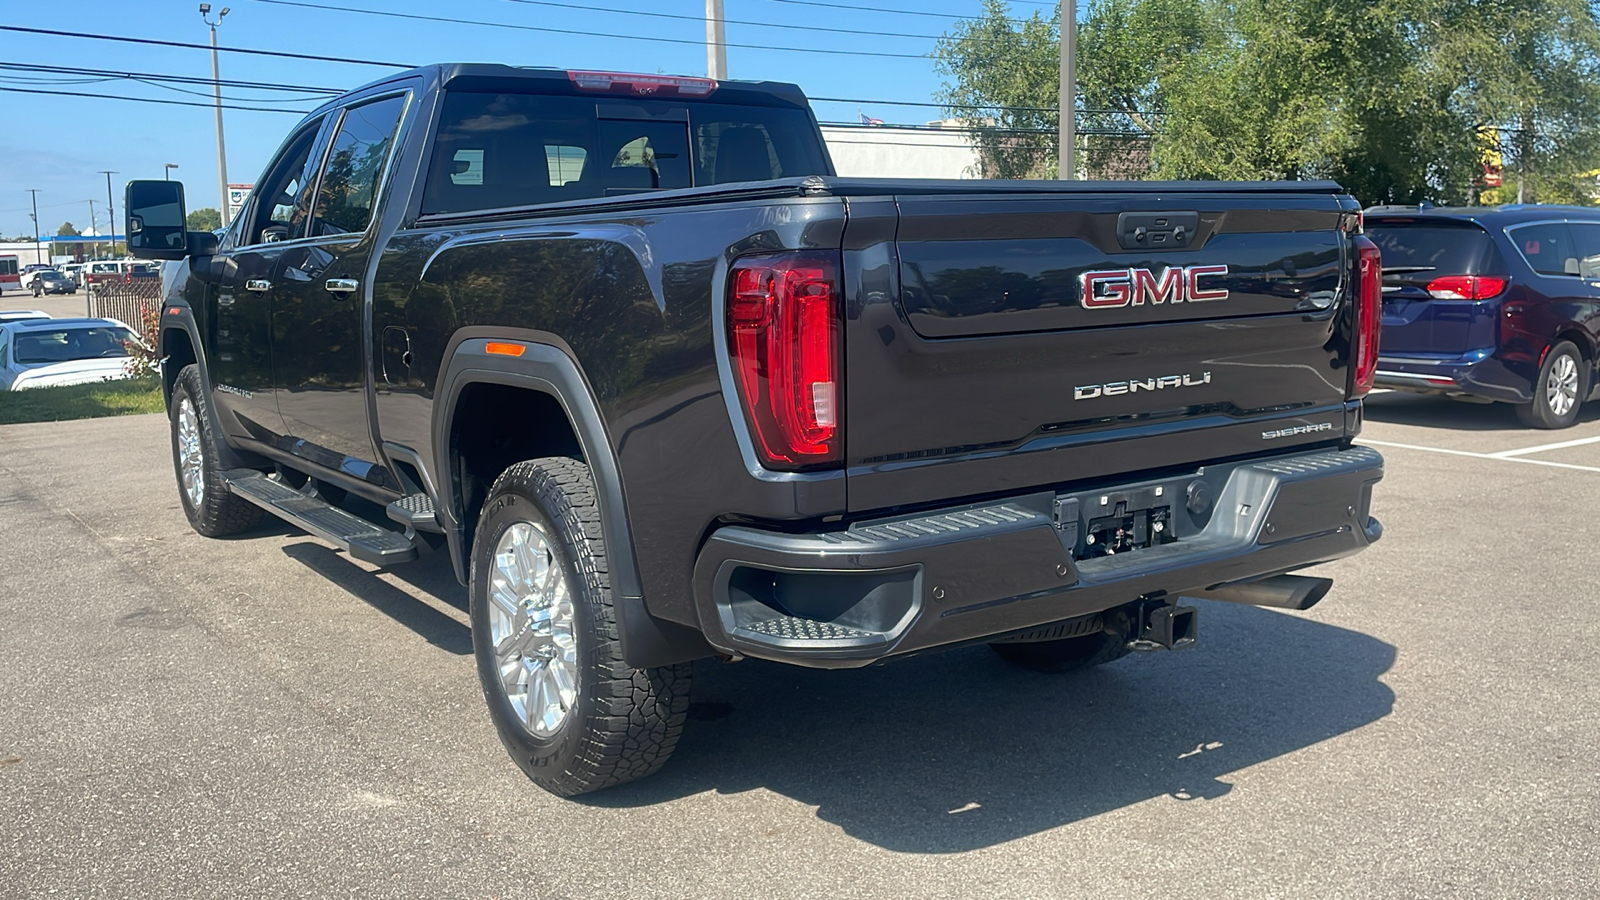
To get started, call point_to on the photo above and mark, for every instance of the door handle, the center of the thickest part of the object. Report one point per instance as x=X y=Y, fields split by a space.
x=342 y=285
x=259 y=285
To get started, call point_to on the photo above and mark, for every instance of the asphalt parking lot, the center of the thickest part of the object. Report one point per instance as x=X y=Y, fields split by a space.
x=264 y=717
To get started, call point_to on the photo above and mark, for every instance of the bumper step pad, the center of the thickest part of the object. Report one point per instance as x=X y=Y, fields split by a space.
x=356 y=536
x=416 y=511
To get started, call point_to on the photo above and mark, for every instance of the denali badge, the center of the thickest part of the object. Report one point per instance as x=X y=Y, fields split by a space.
x=1108 y=288
x=1298 y=429
x=1134 y=386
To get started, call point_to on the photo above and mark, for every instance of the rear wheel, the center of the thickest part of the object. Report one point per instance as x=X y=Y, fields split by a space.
x=213 y=510
x=1560 y=390
x=574 y=715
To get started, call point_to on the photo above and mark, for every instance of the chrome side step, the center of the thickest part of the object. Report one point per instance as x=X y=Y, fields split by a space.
x=354 y=535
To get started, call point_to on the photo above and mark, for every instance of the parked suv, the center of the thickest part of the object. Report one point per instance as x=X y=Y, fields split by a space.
x=1497 y=303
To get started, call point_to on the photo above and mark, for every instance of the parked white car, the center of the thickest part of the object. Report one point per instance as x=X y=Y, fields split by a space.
x=53 y=352
x=19 y=315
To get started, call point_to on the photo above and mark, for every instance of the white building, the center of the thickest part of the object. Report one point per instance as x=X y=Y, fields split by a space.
x=889 y=151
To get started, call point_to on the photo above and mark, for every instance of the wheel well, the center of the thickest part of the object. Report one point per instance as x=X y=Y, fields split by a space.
x=179 y=353
x=496 y=426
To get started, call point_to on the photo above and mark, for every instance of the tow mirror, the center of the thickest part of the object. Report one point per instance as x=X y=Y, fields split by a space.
x=157 y=225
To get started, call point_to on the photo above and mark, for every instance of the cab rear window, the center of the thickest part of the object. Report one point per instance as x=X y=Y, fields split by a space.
x=497 y=150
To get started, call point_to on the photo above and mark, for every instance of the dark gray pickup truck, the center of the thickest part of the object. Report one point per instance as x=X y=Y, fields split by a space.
x=664 y=388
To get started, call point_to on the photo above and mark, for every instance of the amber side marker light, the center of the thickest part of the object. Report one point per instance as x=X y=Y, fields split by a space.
x=500 y=349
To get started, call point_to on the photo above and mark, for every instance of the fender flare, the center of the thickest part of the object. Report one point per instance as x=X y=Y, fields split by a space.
x=547 y=366
x=177 y=316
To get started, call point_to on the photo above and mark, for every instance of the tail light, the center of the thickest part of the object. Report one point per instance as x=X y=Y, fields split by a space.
x=783 y=336
x=1369 y=301
x=1466 y=287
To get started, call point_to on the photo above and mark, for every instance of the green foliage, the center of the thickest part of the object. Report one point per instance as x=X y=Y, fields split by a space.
x=1006 y=76
x=204 y=219
x=1400 y=100
x=82 y=401
x=67 y=230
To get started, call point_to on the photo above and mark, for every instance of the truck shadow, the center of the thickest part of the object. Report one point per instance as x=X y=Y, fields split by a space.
x=432 y=576
x=959 y=751
x=1425 y=411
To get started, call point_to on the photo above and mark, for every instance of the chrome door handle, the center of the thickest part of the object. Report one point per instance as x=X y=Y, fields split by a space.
x=259 y=285
x=342 y=285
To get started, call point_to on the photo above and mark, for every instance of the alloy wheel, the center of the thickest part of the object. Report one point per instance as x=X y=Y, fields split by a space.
x=531 y=627
x=1561 y=388
x=191 y=455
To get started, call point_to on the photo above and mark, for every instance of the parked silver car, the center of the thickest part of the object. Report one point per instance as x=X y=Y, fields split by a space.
x=52 y=352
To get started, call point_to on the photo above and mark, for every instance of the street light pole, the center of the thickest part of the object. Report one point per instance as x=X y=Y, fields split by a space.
x=166 y=170
x=1069 y=90
x=94 y=248
x=716 y=42
x=111 y=212
x=38 y=252
x=216 y=92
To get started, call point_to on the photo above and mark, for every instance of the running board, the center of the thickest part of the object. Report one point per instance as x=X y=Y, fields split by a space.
x=350 y=533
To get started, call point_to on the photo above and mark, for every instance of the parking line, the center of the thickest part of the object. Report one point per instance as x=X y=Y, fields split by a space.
x=1507 y=454
x=1515 y=459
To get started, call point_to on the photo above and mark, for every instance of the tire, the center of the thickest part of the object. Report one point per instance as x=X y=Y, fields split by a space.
x=569 y=710
x=1559 y=391
x=213 y=510
x=1065 y=655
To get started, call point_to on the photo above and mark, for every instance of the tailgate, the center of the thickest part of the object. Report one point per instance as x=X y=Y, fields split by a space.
x=1214 y=327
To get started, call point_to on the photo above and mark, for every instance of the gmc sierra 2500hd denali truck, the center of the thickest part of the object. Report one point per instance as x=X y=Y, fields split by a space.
x=663 y=387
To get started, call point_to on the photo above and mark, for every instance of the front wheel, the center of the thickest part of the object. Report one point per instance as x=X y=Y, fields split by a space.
x=212 y=509
x=574 y=715
x=1559 y=391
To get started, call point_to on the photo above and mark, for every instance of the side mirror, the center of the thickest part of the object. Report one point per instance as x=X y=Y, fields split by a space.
x=156 y=220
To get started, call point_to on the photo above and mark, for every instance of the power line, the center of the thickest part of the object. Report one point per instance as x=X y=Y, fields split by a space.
x=104 y=74
x=880 y=9
x=623 y=37
x=698 y=19
x=16 y=90
x=158 y=43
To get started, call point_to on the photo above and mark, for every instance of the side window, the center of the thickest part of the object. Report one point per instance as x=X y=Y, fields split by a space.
x=1586 y=241
x=283 y=197
x=643 y=155
x=355 y=165
x=1547 y=247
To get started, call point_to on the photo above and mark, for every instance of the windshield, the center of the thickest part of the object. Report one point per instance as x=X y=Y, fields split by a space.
x=67 y=344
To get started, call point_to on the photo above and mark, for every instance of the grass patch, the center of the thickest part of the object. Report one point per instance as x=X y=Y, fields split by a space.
x=82 y=401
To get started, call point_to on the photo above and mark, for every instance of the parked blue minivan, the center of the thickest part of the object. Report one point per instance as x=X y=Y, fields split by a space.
x=1491 y=302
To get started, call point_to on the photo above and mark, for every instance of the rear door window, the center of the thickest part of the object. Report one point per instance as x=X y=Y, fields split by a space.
x=1547 y=246
x=1586 y=240
x=355 y=165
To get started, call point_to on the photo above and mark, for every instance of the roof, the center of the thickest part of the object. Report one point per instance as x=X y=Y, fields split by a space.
x=21 y=325
x=1507 y=214
x=496 y=76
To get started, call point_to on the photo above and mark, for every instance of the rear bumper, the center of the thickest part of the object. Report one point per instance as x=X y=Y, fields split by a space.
x=896 y=586
x=1478 y=373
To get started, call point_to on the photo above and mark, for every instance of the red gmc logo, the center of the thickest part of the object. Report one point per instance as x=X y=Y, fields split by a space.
x=1108 y=288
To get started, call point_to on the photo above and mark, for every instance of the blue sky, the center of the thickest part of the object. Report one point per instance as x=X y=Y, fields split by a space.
x=59 y=144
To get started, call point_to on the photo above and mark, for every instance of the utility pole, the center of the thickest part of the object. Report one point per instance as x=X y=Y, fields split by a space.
x=38 y=252
x=1069 y=90
x=216 y=92
x=94 y=248
x=111 y=213
x=716 y=42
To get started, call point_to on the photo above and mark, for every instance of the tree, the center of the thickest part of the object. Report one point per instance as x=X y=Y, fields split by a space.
x=1006 y=76
x=1390 y=97
x=67 y=230
x=204 y=219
